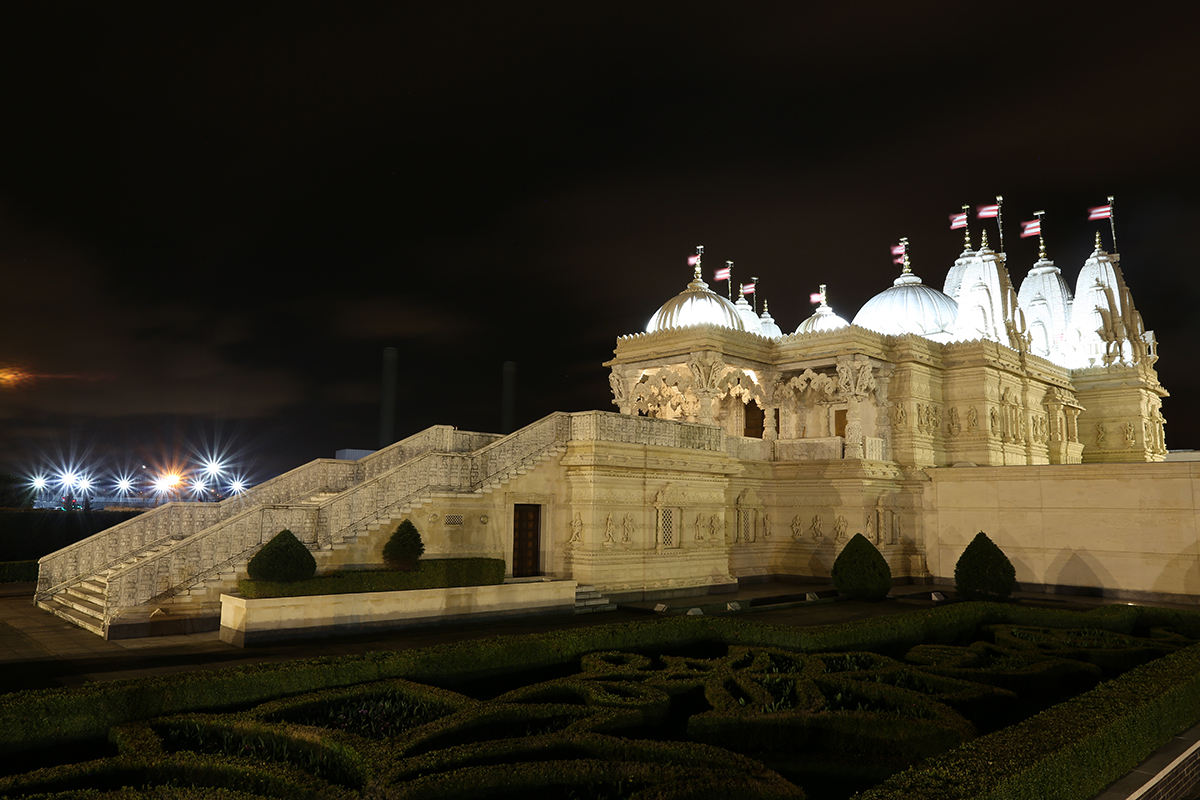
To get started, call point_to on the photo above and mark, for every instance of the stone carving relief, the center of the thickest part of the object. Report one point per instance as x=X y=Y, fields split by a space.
x=972 y=420
x=818 y=383
x=713 y=525
x=1101 y=435
x=815 y=528
x=1130 y=437
x=840 y=526
x=627 y=530
x=797 y=527
x=994 y=418
x=953 y=427
x=699 y=534
x=899 y=417
x=609 y=532
x=665 y=393
x=766 y=526
x=577 y=529
x=855 y=379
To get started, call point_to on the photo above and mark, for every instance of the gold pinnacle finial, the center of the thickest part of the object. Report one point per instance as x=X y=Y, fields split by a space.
x=966 y=228
x=699 y=256
x=907 y=264
x=1042 y=248
x=983 y=240
x=1099 y=244
x=823 y=295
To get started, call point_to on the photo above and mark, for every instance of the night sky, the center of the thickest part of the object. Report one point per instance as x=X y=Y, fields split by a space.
x=213 y=219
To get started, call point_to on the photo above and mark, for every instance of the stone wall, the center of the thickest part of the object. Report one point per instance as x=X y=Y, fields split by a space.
x=1122 y=530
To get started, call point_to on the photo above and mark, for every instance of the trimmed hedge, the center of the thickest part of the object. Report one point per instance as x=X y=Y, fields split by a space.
x=18 y=571
x=983 y=572
x=860 y=571
x=404 y=547
x=282 y=560
x=440 y=573
x=467 y=749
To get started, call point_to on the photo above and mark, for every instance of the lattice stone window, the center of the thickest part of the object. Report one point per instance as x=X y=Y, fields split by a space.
x=453 y=520
x=745 y=517
x=668 y=527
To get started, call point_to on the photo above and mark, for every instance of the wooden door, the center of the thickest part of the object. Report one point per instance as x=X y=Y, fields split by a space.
x=527 y=527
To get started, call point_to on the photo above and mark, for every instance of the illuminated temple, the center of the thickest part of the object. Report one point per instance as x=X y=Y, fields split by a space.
x=740 y=453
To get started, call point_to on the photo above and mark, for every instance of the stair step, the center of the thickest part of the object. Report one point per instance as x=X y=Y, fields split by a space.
x=73 y=616
x=593 y=601
x=593 y=609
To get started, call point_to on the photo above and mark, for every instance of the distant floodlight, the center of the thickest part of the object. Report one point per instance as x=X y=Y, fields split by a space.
x=40 y=482
x=237 y=486
x=167 y=483
x=68 y=479
x=85 y=484
x=124 y=486
x=213 y=467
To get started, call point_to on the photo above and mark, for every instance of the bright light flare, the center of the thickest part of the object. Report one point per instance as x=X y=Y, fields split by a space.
x=237 y=486
x=213 y=468
x=124 y=485
x=85 y=484
x=167 y=483
x=40 y=482
x=68 y=480
x=13 y=376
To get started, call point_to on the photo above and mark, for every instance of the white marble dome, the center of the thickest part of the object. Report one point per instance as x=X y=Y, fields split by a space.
x=696 y=305
x=909 y=306
x=823 y=319
x=766 y=324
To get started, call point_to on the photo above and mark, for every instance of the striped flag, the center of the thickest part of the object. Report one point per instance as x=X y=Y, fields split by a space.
x=747 y=288
x=1031 y=228
x=958 y=220
x=693 y=260
x=721 y=275
x=814 y=298
x=1100 y=212
x=897 y=249
x=987 y=212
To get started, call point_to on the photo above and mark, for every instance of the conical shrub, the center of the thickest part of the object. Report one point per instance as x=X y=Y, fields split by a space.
x=983 y=572
x=404 y=548
x=861 y=571
x=282 y=560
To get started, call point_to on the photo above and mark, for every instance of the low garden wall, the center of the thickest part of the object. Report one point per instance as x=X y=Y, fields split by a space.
x=246 y=621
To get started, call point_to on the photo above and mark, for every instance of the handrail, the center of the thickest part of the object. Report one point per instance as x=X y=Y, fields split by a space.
x=192 y=559
x=176 y=521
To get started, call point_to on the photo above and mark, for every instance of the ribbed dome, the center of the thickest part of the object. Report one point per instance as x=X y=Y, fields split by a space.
x=909 y=307
x=823 y=319
x=696 y=305
x=750 y=320
x=766 y=324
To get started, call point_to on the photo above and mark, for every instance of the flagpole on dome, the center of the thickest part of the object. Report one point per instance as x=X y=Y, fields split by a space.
x=1041 y=236
x=1112 y=220
x=729 y=280
x=1108 y=212
x=959 y=220
x=1000 y=221
x=966 y=212
x=907 y=263
x=754 y=283
x=694 y=261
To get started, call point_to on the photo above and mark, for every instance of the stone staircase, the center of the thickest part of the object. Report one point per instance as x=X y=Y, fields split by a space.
x=589 y=601
x=181 y=574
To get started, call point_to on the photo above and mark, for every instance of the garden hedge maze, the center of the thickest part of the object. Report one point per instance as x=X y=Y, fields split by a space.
x=908 y=706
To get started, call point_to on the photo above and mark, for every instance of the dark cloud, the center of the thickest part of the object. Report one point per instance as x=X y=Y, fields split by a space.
x=218 y=218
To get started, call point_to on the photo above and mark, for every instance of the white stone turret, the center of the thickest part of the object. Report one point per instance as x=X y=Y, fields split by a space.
x=750 y=320
x=1045 y=299
x=1105 y=327
x=987 y=302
